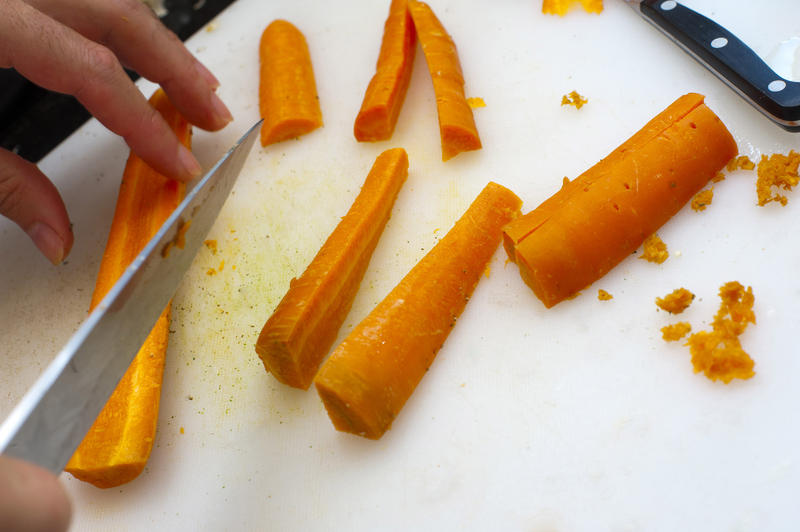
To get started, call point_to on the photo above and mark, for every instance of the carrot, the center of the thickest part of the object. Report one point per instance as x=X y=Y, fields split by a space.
x=592 y=223
x=288 y=98
x=560 y=7
x=305 y=323
x=371 y=374
x=387 y=88
x=116 y=448
x=456 y=123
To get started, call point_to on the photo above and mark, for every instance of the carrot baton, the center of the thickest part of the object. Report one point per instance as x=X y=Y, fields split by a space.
x=305 y=323
x=456 y=123
x=371 y=374
x=577 y=235
x=287 y=95
x=116 y=448
x=387 y=88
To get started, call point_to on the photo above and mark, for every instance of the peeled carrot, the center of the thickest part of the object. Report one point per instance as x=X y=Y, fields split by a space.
x=387 y=88
x=116 y=448
x=288 y=98
x=305 y=323
x=456 y=123
x=372 y=373
x=592 y=223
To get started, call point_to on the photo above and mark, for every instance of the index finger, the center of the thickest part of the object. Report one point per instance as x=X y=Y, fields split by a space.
x=57 y=58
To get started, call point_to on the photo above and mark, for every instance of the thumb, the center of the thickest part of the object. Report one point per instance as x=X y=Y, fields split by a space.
x=28 y=198
x=31 y=499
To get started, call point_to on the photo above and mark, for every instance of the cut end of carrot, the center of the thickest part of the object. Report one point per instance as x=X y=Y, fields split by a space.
x=287 y=129
x=373 y=125
x=343 y=417
x=106 y=477
x=456 y=140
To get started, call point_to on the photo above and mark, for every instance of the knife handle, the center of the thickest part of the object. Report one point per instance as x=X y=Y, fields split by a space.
x=729 y=59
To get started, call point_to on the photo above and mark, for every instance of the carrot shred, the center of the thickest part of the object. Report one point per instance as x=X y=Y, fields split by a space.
x=288 y=99
x=560 y=7
x=305 y=323
x=116 y=448
x=595 y=221
x=387 y=88
x=456 y=122
x=372 y=373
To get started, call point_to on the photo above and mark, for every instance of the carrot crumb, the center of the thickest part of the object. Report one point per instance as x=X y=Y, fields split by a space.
x=474 y=103
x=702 y=199
x=211 y=271
x=488 y=271
x=575 y=99
x=654 y=250
x=602 y=295
x=211 y=245
x=676 y=301
x=741 y=162
x=182 y=431
x=560 y=7
x=676 y=331
x=719 y=176
x=221 y=266
x=778 y=171
x=718 y=352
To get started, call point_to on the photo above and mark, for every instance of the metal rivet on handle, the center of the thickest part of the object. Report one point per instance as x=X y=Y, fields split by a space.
x=776 y=85
x=669 y=4
x=719 y=42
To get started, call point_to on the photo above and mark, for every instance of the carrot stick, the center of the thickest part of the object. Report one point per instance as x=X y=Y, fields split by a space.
x=116 y=448
x=387 y=88
x=371 y=374
x=577 y=235
x=456 y=123
x=305 y=323
x=288 y=98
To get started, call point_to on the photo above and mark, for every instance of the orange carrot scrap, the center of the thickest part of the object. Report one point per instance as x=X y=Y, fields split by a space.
x=372 y=373
x=776 y=171
x=741 y=162
x=676 y=301
x=305 y=323
x=676 y=331
x=574 y=99
x=595 y=221
x=602 y=295
x=288 y=99
x=702 y=199
x=116 y=448
x=475 y=103
x=456 y=123
x=718 y=353
x=654 y=249
x=560 y=7
x=387 y=88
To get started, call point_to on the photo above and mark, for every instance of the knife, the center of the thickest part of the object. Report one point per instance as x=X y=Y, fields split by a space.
x=53 y=417
x=728 y=58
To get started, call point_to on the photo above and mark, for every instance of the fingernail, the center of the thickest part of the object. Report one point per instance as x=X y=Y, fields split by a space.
x=207 y=75
x=47 y=240
x=221 y=110
x=188 y=162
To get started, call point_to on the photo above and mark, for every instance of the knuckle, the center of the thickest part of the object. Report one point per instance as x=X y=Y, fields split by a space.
x=101 y=62
x=11 y=192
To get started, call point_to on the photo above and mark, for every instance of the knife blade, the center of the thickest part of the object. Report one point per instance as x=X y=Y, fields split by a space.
x=728 y=58
x=53 y=417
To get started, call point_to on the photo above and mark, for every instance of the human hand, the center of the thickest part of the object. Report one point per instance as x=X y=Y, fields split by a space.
x=78 y=47
x=31 y=499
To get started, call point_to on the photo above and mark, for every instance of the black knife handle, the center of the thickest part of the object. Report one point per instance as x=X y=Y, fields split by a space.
x=729 y=58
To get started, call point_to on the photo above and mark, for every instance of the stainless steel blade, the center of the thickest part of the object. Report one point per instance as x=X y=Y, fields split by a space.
x=53 y=417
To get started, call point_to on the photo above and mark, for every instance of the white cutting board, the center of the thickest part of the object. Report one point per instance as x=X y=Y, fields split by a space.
x=577 y=418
